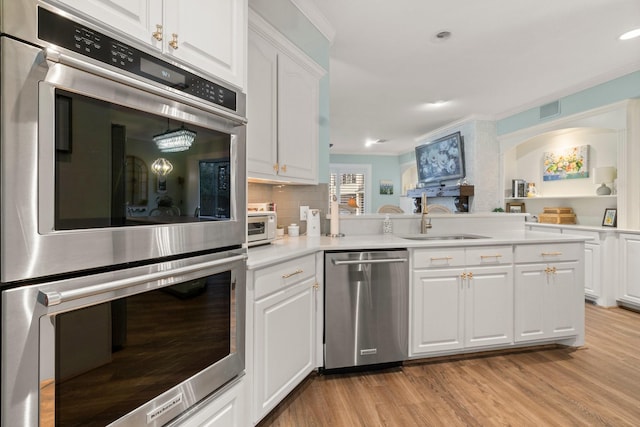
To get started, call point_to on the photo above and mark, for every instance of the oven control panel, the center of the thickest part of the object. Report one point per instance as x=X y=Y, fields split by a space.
x=68 y=34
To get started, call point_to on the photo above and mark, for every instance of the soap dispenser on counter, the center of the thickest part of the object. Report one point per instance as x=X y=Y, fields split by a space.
x=387 y=225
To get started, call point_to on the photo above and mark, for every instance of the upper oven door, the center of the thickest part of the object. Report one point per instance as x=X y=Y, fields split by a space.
x=85 y=185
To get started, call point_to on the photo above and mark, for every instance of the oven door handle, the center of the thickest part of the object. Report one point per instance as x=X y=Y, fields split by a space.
x=51 y=298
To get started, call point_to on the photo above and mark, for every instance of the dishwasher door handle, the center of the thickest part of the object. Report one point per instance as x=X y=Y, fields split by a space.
x=368 y=261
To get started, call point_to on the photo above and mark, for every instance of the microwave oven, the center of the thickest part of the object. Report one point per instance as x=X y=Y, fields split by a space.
x=261 y=228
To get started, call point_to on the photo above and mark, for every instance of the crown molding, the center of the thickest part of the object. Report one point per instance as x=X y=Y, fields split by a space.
x=316 y=17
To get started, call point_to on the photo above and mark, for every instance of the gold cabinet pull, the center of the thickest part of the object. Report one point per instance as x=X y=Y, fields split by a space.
x=490 y=256
x=284 y=168
x=157 y=34
x=298 y=271
x=463 y=276
x=276 y=168
x=550 y=270
x=470 y=275
x=551 y=253
x=174 y=41
x=444 y=258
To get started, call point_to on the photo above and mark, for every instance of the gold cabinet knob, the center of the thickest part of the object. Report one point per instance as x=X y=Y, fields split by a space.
x=174 y=41
x=157 y=34
x=284 y=168
x=276 y=168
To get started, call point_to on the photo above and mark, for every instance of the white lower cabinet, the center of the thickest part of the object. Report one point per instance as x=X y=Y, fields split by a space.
x=600 y=255
x=226 y=409
x=549 y=282
x=630 y=270
x=461 y=298
x=284 y=325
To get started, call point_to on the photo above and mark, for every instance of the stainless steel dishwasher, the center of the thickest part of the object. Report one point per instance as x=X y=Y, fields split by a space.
x=366 y=303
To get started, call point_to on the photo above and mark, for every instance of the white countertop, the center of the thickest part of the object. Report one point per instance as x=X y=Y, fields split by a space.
x=291 y=247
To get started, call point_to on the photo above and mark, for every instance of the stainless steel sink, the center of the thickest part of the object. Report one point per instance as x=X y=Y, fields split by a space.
x=443 y=237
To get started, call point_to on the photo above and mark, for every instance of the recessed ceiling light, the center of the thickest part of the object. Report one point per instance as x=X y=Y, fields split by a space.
x=371 y=142
x=441 y=36
x=630 y=34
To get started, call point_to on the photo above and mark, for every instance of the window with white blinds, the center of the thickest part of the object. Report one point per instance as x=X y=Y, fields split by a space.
x=352 y=185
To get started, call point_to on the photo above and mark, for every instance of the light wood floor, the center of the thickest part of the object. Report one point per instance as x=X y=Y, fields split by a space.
x=595 y=385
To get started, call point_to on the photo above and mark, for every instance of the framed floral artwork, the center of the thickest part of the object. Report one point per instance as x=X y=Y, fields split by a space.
x=566 y=163
x=610 y=218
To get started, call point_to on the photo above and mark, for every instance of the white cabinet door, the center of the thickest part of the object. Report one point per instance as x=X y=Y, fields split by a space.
x=488 y=306
x=136 y=18
x=437 y=300
x=210 y=35
x=545 y=301
x=562 y=307
x=283 y=98
x=284 y=343
x=297 y=121
x=530 y=310
x=630 y=274
x=262 y=107
x=592 y=276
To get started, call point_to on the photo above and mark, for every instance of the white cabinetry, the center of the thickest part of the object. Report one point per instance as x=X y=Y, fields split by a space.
x=227 y=408
x=461 y=298
x=600 y=254
x=548 y=289
x=282 y=108
x=630 y=270
x=208 y=35
x=284 y=326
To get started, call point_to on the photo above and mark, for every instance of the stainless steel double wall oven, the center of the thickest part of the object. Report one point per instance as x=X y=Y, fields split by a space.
x=123 y=221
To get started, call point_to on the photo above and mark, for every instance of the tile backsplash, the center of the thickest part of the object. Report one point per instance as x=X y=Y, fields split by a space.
x=289 y=198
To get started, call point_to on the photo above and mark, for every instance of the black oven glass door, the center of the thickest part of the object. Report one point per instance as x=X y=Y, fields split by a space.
x=116 y=357
x=113 y=357
x=116 y=166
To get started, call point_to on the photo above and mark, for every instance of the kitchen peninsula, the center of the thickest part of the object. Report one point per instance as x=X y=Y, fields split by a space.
x=496 y=285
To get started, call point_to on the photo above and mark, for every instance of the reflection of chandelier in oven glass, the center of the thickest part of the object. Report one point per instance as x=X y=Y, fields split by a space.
x=175 y=140
x=161 y=167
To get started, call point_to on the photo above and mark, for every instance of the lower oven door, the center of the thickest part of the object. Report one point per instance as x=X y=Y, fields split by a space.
x=127 y=348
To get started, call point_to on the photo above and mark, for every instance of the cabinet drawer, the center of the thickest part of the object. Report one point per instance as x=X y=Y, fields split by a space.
x=548 y=252
x=437 y=258
x=489 y=255
x=280 y=276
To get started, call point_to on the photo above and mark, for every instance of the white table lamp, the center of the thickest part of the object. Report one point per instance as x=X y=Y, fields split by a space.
x=604 y=175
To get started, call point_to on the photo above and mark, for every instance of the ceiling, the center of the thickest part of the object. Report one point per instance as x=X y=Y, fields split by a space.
x=387 y=67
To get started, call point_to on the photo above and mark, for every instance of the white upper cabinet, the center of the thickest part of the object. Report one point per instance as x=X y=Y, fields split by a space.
x=208 y=35
x=136 y=18
x=282 y=108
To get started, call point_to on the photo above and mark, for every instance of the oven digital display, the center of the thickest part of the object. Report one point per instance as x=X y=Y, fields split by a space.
x=172 y=77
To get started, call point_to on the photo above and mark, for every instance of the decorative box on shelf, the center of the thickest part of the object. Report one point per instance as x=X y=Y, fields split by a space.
x=557 y=216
